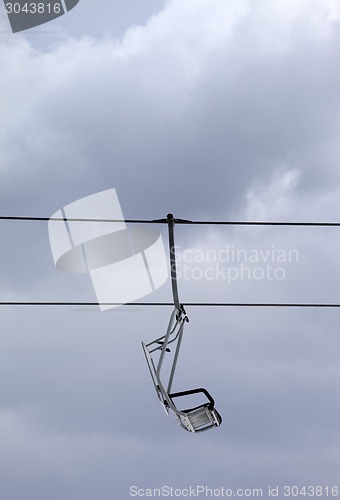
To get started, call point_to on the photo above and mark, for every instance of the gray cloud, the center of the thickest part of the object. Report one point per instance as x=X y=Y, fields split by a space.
x=234 y=106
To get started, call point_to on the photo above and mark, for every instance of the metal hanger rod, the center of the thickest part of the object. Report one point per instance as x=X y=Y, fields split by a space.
x=171 y=225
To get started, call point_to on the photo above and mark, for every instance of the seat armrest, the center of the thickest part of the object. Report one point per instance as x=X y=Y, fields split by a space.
x=195 y=391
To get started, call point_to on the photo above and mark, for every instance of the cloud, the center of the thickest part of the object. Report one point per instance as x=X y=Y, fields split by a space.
x=202 y=92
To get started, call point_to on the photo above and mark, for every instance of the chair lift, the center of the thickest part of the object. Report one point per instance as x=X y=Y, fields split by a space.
x=198 y=418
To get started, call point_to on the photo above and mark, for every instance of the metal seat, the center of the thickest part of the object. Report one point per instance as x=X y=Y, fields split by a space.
x=199 y=418
x=195 y=419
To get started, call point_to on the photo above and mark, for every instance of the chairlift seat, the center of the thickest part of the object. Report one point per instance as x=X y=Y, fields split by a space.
x=199 y=418
x=194 y=419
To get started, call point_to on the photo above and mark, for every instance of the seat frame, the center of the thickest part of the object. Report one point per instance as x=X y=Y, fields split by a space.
x=197 y=419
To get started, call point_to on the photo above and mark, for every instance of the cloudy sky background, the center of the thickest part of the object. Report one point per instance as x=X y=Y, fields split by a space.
x=225 y=110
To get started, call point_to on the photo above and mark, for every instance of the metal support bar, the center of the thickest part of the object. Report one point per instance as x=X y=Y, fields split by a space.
x=174 y=363
x=165 y=342
x=171 y=225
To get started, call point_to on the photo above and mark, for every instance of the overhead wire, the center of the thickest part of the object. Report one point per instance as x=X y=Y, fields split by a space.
x=177 y=221
x=186 y=304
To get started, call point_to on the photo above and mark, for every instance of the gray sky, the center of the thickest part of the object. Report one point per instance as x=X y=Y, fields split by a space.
x=207 y=109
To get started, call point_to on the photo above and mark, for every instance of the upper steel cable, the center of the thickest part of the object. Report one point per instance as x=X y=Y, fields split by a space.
x=176 y=221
